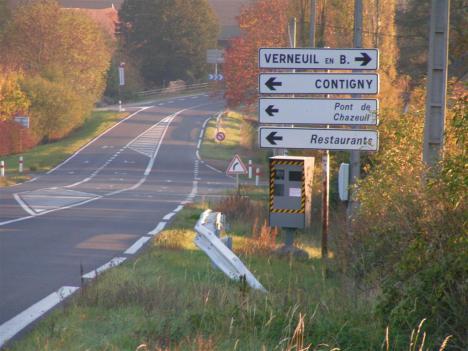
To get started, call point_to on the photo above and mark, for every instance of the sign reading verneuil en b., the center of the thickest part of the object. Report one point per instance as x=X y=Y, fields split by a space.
x=319 y=83
x=319 y=139
x=314 y=58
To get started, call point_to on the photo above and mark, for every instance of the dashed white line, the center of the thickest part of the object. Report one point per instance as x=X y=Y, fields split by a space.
x=158 y=228
x=178 y=208
x=112 y=263
x=137 y=245
x=20 y=321
x=168 y=216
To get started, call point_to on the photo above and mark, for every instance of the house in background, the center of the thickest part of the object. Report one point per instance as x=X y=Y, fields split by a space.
x=105 y=12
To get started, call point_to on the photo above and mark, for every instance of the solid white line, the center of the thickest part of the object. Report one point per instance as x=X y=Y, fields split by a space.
x=137 y=245
x=168 y=216
x=212 y=168
x=158 y=228
x=96 y=138
x=20 y=321
x=50 y=211
x=23 y=205
x=112 y=263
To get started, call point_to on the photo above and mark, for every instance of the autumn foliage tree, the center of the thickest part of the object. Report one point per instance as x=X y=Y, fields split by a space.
x=63 y=56
x=263 y=24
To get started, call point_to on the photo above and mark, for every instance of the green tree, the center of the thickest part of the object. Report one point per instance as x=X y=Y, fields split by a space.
x=168 y=39
x=56 y=109
x=413 y=21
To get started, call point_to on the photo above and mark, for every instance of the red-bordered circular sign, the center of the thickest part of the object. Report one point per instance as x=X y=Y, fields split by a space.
x=220 y=136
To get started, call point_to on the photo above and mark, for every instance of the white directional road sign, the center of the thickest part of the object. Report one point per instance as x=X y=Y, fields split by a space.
x=319 y=83
x=319 y=111
x=214 y=56
x=319 y=139
x=311 y=58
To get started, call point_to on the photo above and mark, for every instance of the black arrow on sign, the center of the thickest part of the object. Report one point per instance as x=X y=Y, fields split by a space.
x=365 y=59
x=271 y=84
x=271 y=110
x=272 y=138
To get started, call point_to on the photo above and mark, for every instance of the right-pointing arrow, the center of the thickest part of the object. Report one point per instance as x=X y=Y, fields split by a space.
x=365 y=59
x=272 y=138
x=271 y=110
x=271 y=84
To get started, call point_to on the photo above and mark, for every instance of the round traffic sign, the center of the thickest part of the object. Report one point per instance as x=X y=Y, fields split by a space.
x=220 y=136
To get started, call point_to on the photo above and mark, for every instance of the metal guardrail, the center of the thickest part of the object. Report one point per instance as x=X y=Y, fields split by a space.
x=207 y=240
x=192 y=88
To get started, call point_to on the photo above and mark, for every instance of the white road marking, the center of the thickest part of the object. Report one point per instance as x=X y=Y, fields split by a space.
x=50 y=198
x=20 y=321
x=112 y=263
x=158 y=228
x=137 y=245
x=23 y=205
x=96 y=138
x=178 y=208
x=168 y=216
x=135 y=186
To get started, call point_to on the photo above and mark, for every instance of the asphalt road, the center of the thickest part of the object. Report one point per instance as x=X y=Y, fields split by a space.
x=102 y=204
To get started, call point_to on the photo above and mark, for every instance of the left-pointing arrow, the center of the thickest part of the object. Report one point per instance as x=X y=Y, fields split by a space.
x=271 y=84
x=272 y=138
x=271 y=110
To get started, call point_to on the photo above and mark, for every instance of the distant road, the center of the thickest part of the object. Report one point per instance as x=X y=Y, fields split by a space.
x=102 y=204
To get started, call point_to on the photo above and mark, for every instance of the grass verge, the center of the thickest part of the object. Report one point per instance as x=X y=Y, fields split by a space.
x=171 y=298
x=44 y=157
x=240 y=139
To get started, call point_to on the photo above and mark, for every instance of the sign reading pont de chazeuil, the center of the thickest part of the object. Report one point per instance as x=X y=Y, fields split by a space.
x=313 y=58
x=318 y=111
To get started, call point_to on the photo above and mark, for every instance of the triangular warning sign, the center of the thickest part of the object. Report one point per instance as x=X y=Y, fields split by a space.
x=236 y=166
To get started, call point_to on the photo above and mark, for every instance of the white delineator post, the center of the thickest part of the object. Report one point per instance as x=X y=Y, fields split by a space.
x=2 y=168
x=20 y=164
x=257 y=177
x=250 y=169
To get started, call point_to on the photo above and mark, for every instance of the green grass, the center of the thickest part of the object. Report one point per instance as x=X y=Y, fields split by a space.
x=240 y=139
x=171 y=297
x=44 y=157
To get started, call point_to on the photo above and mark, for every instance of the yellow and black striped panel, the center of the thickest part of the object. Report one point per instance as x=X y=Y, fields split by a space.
x=273 y=163
x=275 y=210
x=286 y=162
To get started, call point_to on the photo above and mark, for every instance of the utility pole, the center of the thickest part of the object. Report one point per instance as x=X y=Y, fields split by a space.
x=325 y=157
x=355 y=156
x=436 y=82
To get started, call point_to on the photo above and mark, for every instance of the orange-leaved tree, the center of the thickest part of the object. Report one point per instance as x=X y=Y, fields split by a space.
x=263 y=24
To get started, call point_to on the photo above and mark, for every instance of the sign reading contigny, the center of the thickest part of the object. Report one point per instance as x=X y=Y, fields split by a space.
x=319 y=83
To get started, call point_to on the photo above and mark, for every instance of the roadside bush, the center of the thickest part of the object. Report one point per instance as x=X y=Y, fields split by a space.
x=56 y=109
x=410 y=236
